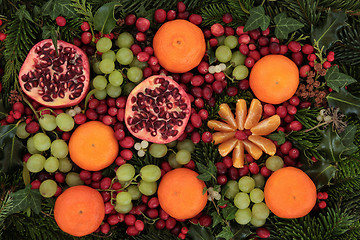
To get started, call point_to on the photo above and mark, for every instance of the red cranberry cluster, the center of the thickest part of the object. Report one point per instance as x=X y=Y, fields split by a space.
x=2 y=34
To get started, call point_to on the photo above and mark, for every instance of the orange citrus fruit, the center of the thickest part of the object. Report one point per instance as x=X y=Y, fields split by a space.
x=274 y=79
x=79 y=210
x=93 y=146
x=180 y=193
x=179 y=45
x=290 y=193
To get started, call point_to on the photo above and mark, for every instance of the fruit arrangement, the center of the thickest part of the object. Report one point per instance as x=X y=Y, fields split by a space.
x=177 y=124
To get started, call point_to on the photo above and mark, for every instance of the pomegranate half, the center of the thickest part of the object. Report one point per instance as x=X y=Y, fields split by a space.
x=157 y=110
x=55 y=80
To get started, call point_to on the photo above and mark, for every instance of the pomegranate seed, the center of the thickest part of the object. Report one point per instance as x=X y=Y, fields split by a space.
x=171 y=15
x=217 y=30
x=60 y=21
x=263 y=232
x=196 y=19
x=296 y=126
x=142 y=24
x=205 y=220
x=307 y=49
x=160 y=15
x=243 y=171
x=254 y=168
x=206 y=137
x=86 y=38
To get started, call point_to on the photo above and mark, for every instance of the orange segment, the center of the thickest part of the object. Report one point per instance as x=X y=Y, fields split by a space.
x=220 y=137
x=265 y=144
x=266 y=126
x=238 y=155
x=241 y=112
x=227 y=115
x=226 y=147
x=252 y=149
x=220 y=126
x=254 y=114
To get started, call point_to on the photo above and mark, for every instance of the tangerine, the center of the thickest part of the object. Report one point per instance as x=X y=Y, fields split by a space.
x=274 y=79
x=290 y=193
x=181 y=194
x=179 y=45
x=79 y=210
x=93 y=146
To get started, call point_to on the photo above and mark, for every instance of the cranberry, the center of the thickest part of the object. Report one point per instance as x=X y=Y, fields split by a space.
x=274 y=48
x=142 y=24
x=132 y=231
x=212 y=102
x=243 y=41
x=160 y=224
x=227 y=18
x=140 y=37
x=143 y=56
x=217 y=30
x=291 y=109
x=244 y=84
x=19 y=107
x=105 y=228
x=244 y=49
x=153 y=202
x=322 y=204
x=80 y=118
x=227 y=161
x=206 y=137
x=205 y=221
x=296 y=126
x=183 y=15
x=170 y=223
x=304 y=105
x=113 y=219
x=266 y=32
x=265 y=171
x=307 y=49
x=31 y=127
x=243 y=171
x=139 y=225
x=60 y=21
x=264 y=51
x=289 y=162
x=152 y=213
x=285 y=147
x=233 y=173
x=130 y=19
x=294 y=46
x=2 y=37
x=221 y=179
x=254 y=168
x=220 y=76
x=232 y=91
x=221 y=168
x=85 y=26
x=195 y=137
x=160 y=15
x=195 y=19
x=217 y=87
x=197 y=80
x=240 y=30
x=289 y=118
x=35 y=184
x=311 y=57
x=203 y=114
x=127 y=142
x=207 y=93
x=96 y=176
x=163 y=215
x=171 y=15
x=86 y=37
x=105 y=183
x=130 y=219
x=283 y=49
x=281 y=111
x=263 y=232
x=326 y=64
x=263 y=41
x=255 y=34
x=330 y=57
x=59 y=177
x=297 y=58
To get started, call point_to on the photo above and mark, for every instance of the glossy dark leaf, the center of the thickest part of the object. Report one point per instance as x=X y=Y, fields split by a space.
x=7 y=132
x=257 y=19
x=279 y=137
x=336 y=79
x=11 y=155
x=347 y=102
x=104 y=19
x=2 y=110
x=240 y=231
x=285 y=25
x=196 y=232
x=226 y=233
x=216 y=219
x=331 y=145
x=55 y=8
x=26 y=198
x=229 y=212
x=320 y=172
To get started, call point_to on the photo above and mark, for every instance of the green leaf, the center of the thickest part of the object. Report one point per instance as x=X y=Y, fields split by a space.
x=226 y=231
x=240 y=231
x=104 y=20
x=331 y=145
x=320 y=172
x=216 y=219
x=58 y=8
x=26 y=198
x=229 y=212
x=7 y=132
x=347 y=138
x=285 y=25
x=3 y=111
x=50 y=32
x=206 y=172
x=197 y=232
x=26 y=175
x=326 y=33
x=347 y=102
x=336 y=79
x=11 y=155
x=279 y=137
x=22 y=13
x=257 y=19
x=204 y=176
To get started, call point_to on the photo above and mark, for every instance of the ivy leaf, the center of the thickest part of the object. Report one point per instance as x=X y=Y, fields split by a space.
x=336 y=79
x=216 y=219
x=285 y=25
x=229 y=212
x=56 y=8
x=347 y=102
x=226 y=232
x=331 y=145
x=240 y=231
x=104 y=20
x=257 y=19
x=279 y=137
x=200 y=233
x=326 y=33
x=26 y=198
x=320 y=172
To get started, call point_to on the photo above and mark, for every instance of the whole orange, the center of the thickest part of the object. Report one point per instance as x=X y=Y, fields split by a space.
x=180 y=193
x=79 y=210
x=290 y=193
x=274 y=79
x=179 y=45
x=93 y=146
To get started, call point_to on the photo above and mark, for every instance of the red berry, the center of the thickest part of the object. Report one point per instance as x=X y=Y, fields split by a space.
x=266 y=32
x=243 y=171
x=181 y=7
x=307 y=49
x=265 y=171
x=171 y=15
x=221 y=179
x=269 y=109
x=281 y=111
x=244 y=84
x=217 y=30
x=160 y=15
x=170 y=223
x=296 y=126
x=322 y=204
x=249 y=62
x=254 y=168
x=203 y=114
x=85 y=26
x=86 y=37
x=221 y=168
x=142 y=24
x=139 y=225
x=263 y=232
x=35 y=184
x=283 y=49
x=285 y=147
x=240 y=30
x=160 y=224
x=304 y=71
x=183 y=15
x=113 y=219
x=130 y=219
x=31 y=127
x=213 y=42
x=227 y=161
x=227 y=18
x=294 y=46
x=195 y=19
x=274 y=48
x=206 y=137
x=325 y=195
x=311 y=57
x=132 y=231
x=255 y=34
x=294 y=153
x=195 y=137
x=244 y=49
x=326 y=64
x=1 y=22
x=205 y=220
x=60 y=21
x=130 y=19
x=105 y=228
x=297 y=58
x=291 y=109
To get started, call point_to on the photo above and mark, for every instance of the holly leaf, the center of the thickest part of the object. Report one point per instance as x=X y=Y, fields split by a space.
x=285 y=25
x=225 y=233
x=216 y=219
x=326 y=33
x=279 y=137
x=336 y=79
x=240 y=231
x=320 y=172
x=57 y=8
x=196 y=232
x=347 y=138
x=229 y=212
x=257 y=19
x=104 y=19
x=331 y=145
x=347 y=102
x=11 y=154
x=2 y=110
x=7 y=132
x=26 y=198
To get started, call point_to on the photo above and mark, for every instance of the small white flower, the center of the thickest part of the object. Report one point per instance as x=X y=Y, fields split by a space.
x=141 y=153
x=144 y=144
x=77 y=109
x=212 y=69
x=217 y=69
x=71 y=112
x=141 y=147
x=222 y=66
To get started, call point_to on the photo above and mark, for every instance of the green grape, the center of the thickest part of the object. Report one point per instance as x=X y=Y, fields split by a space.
x=99 y=82
x=136 y=63
x=113 y=91
x=59 y=148
x=134 y=191
x=183 y=156
x=246 y=184
x=223 y=54
x=30 y=146
x=109 y=55
x=150 y=173
x=172 y=161
x=21 y=132
x=257 y=222
x=231 y=41
x=231 y=189
x=243 y=216
x=123 y=198
x=107 y=66
x=116 y=78
x=274 y=163
x=124 y=56
x=237 y=59
x=65 y=122
x=51 y=164
x=187 y=144
x=256 y=195
x=260 y=210
x=35 y=163
x=172 y=144
x=100 y=94
x=221 y=40
x=42 y=141
x=134 y=74
x=48 y=122
x=147 y=188
x=95 y=67
x=128 y=87
x=48 y=188
x=103 y=44
x=123 y=208
x=242 y=200
x=65 y=165
x=259 y=180
x=158 y=150
x=73 y=179
x=125 y=172
x=240 y=72
x=125 y=39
